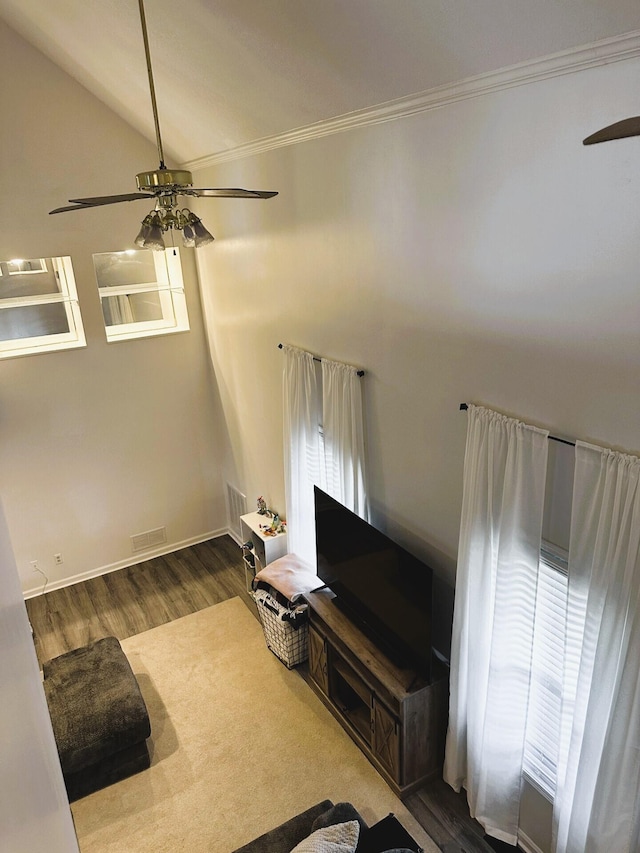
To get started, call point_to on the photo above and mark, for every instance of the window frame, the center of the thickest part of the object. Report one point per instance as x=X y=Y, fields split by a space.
x=67 y=297
x=169 y=287
x=41 y=268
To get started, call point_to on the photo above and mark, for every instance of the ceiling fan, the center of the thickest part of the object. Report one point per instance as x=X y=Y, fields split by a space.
x=619 y=130
x=165 y=185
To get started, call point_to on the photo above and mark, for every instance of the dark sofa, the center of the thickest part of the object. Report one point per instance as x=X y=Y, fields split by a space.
x=386 y=836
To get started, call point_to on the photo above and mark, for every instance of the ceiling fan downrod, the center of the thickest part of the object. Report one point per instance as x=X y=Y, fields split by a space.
x=162 y=176
x=152 y=88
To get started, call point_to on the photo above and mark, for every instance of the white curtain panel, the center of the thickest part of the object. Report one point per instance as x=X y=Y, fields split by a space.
x=598 y=798
x=343 y=429
x=323 y=442
x=301 y=450
x=122 y=312
x=503 y=496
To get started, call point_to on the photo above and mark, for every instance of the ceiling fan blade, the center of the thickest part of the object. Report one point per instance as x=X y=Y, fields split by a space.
x=226 y=193
x=110 y=199
x=84 y=203
x=619 y=130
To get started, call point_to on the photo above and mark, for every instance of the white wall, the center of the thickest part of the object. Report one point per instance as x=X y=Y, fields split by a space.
x=115 y=439
x=478 y=252
x=34 y=809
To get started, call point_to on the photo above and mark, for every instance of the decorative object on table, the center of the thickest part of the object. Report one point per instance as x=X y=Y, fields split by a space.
x=262 y=506
x=277 y=526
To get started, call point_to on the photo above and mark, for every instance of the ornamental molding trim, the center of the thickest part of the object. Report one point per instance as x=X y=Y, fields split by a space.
x=603 y=52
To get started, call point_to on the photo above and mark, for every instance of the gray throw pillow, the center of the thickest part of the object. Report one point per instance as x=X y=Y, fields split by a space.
x=338 y=838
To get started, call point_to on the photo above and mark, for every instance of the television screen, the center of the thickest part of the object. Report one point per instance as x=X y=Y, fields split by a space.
x=381 y=586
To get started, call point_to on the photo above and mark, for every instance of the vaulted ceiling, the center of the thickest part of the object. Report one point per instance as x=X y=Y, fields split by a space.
x=229 y=72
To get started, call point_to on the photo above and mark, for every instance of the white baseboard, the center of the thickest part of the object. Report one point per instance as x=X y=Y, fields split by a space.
x=140 y=557
x=527 y=844
x=237 y=539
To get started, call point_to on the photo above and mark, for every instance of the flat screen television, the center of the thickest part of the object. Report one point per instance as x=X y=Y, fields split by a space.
x=383 y=588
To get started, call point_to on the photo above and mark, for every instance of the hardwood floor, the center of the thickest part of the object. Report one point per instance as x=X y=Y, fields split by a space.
x=137 y=598
x=132 y=600
x=445 y=816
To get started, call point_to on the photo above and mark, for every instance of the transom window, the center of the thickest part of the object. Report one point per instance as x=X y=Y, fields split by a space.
x=141 y=293
x=39 y=309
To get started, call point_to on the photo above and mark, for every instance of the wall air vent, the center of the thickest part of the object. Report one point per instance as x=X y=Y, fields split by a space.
x=236 y=506
x=148 y=539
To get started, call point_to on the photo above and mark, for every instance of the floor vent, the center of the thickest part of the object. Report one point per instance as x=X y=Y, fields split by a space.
x=149 y=539
x=236 y=506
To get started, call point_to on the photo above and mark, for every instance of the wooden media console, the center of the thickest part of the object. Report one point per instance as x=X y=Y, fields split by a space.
x=396 y=717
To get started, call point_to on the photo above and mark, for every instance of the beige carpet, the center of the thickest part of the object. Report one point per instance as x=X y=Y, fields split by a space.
x=239 y=744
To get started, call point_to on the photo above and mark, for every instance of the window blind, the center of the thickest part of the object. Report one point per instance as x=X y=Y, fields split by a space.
x=547 y=671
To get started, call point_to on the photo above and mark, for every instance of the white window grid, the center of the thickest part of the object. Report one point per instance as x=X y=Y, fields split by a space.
x=67 y=297
x=168 y=286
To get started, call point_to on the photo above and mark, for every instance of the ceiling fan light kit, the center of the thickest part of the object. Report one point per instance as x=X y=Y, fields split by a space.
x=194 y=234
x=165 y=185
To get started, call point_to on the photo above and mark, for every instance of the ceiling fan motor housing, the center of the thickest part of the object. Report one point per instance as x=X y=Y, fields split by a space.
x=159 y=178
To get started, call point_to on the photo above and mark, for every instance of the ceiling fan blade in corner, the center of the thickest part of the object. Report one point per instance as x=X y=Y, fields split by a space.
x=619 y=130
x=227 y=193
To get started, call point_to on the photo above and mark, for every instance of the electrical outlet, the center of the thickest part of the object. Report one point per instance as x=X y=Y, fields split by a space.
x=35 y=566
x=57 y=559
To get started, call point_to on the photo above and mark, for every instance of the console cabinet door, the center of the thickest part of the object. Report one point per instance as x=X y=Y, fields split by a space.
x=386 y=739
x=318 y=668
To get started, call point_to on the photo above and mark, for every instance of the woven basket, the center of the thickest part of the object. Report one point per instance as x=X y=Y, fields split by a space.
x=286 y=630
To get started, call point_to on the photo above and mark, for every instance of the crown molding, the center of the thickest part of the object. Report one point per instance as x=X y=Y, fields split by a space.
x=604 y=52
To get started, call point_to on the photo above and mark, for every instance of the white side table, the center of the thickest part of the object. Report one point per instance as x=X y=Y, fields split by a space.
x=265 y=548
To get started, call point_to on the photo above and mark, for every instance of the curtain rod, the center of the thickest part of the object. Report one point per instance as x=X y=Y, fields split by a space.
x=315 y=358
x=465 y=406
